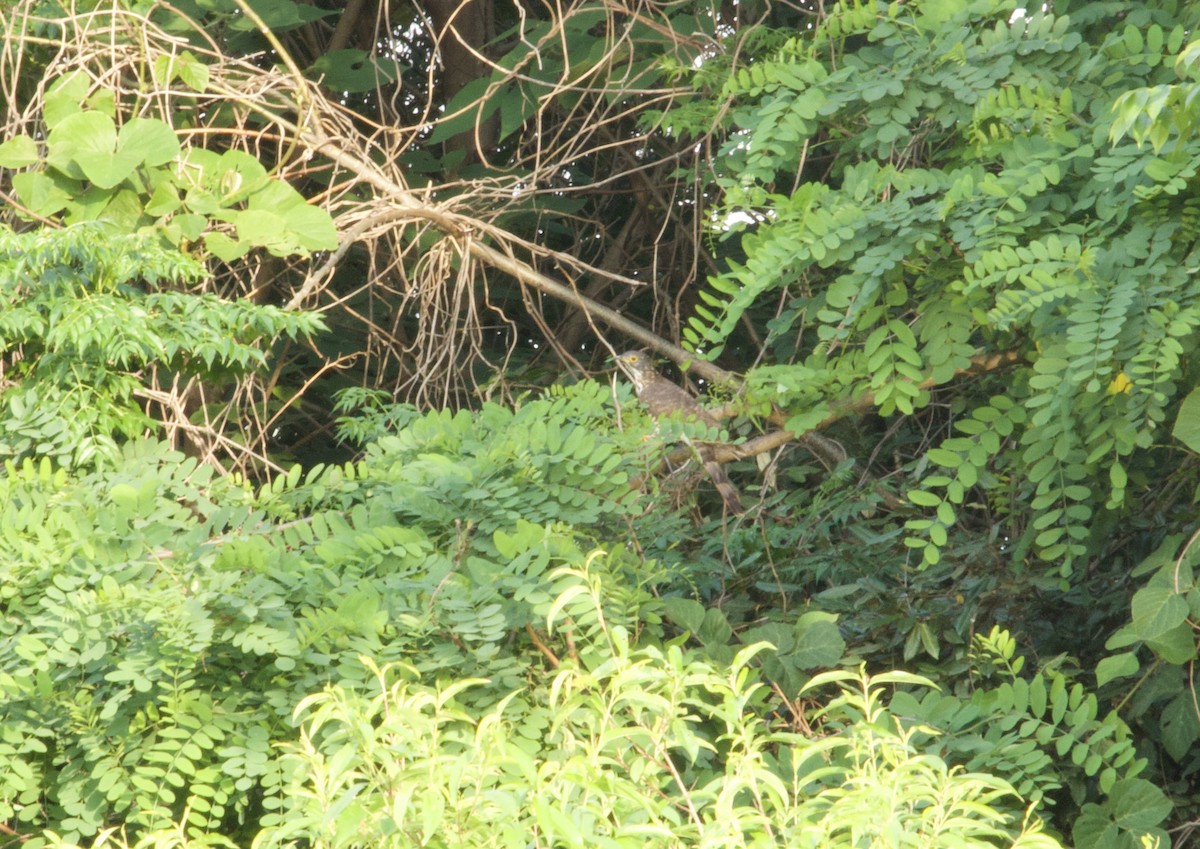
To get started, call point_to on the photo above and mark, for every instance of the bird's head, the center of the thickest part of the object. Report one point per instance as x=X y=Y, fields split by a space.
x=636 y=365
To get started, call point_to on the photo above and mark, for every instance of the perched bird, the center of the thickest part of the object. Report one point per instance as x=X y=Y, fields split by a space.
x=663 y=399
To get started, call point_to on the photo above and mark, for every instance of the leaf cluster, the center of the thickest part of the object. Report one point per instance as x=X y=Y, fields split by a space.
x=167 y=622
x=952 y=198
x=1149 y=660
x=649 y=748
x=160 y=622
x=139 y=177
x=90 y=313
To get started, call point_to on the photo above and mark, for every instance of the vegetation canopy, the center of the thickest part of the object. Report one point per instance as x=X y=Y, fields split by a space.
x=327 y=520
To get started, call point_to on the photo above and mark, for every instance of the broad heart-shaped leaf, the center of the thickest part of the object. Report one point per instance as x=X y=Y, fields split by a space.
x=184 y=228
x=685 y=612
x=163 y=200
x=1116 y=666
x=1187 y=423
x=64 y=96
x=237 y=175
x=185 y=66
x=1094 y=830
x=1156 y=610
x=1134 y=808
x=74 y=133
x=307 y=227
x=1138 y=806
x=778 y=666
x=313 y=228
x=85 y=145
x=715 y=630
x=18 y=152
x=274 y=196
x=124 y=208
x=267 y=229
x=40 y=193
x=1176 y=646
x=354 y=70
x=89 y=205
x=148 y=141
x=708 y=625
x=1163 y=555
x=818 y=641
x=1180 y=725
x=777 y=634
x=193 y=72
x=225 y=248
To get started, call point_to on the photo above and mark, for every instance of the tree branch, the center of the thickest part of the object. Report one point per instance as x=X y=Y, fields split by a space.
x=464 y=230
x=826 y=449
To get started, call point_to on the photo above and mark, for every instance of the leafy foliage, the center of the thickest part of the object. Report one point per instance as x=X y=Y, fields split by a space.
x=423 y=558
x=80 y=336
x=176 y=583
x=156 y=638
x=646 y=749
x=137 y=176
x=1157 y=113
x=1045 y=732
x=954 y=202
x=1148 y=667
x=940 y=236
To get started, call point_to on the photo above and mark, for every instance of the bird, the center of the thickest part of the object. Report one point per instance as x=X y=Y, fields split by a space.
x=663 y=399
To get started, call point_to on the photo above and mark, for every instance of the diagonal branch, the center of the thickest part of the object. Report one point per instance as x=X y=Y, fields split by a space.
x=826 y=449
x=463 y=229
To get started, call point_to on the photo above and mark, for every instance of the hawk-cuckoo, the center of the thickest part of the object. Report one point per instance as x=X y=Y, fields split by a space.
x=663 y=398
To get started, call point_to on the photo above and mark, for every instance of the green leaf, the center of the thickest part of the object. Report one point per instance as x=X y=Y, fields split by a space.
x=1116 y=666
x=1156 y=611
x=225 y=248
x=818 y=642
x=1138 y=806
x=40 y=193
x=281 y=15
x=65 y=96
x=354 y=71
x=147 y=141
x=1187 y=422
x=715 y=630
x=92 y=135
x=18 y=152
x=943 y=457
x=85 y=145
x=776 y=634
x=313 y=228
x=685 y=612
x=266 y=229
x=471 y=105
x=1161 y=557
x=923 y=499
x=163 y=201
x=1177 y=645
x=1180 y=725
x=193 y=72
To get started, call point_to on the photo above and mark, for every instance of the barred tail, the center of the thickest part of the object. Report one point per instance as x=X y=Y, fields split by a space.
x=729 y=493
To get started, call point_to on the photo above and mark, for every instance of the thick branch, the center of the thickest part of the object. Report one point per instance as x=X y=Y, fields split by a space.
x=827 y=449
x=593 y=310
x=347 y=21
x=464 y=228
